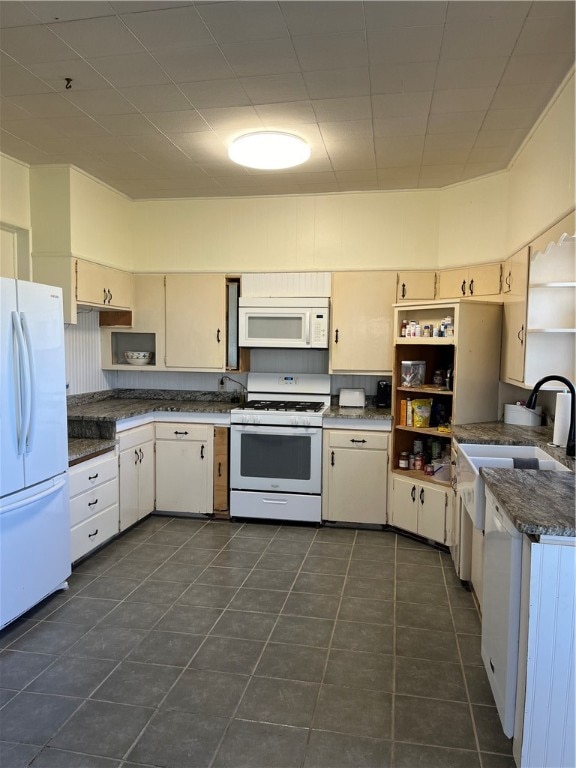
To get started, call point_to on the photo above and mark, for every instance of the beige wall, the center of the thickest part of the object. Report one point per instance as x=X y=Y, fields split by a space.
x=14 y=193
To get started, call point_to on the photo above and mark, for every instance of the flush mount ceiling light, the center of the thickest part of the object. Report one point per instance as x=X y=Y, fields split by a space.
x=269 y=150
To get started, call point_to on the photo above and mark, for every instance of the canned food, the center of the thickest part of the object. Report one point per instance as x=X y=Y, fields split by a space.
x=411 y=459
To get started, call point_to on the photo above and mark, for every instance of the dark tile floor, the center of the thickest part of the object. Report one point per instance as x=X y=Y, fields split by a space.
x=187 y=644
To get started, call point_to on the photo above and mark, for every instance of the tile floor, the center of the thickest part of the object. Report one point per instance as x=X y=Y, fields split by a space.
x=187 y=643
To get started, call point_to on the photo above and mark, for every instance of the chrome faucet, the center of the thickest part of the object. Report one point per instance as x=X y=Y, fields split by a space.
x=531 y=403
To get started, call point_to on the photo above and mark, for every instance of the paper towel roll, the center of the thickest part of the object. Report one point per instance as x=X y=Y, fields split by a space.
x=562 y=419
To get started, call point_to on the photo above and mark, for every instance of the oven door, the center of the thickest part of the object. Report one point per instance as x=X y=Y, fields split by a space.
x=281 y=459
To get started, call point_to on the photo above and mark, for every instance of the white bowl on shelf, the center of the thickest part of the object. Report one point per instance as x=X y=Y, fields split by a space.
x=138 y=358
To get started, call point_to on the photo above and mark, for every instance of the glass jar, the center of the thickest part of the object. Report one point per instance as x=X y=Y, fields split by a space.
x=403 y=461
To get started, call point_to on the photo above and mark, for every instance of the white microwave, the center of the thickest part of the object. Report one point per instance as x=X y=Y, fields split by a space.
x=296 y=323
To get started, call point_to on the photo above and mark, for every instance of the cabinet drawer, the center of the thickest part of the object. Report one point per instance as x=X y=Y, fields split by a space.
x=91 y=473
x=133 y=437
x=93 y=501
x=176 y=431
x=94 y=532
x=341 y=438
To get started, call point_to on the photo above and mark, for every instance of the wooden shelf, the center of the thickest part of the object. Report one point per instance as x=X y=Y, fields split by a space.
x=428 y=389
x=436 y=341
x=420 y=477
x=432 y=431
x=550 y=330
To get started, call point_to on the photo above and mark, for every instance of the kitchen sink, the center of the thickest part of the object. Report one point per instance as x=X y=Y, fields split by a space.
x=471 y=457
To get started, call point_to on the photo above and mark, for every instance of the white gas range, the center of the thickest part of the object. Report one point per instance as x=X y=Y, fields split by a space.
x=276 y=447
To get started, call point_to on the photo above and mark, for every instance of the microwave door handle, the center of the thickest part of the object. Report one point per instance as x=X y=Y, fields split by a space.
x=308 y=324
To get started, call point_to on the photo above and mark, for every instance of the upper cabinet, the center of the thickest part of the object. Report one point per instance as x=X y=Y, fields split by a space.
x=539 y=330
x=416 y=285
x=361 y=325
x=477 y=280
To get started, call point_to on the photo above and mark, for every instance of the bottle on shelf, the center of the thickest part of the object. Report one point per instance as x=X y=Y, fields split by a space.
x=408 y=412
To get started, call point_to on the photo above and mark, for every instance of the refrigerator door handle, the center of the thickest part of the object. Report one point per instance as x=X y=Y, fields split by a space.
x=58 y=485
x=23 y=377
x=32 y=374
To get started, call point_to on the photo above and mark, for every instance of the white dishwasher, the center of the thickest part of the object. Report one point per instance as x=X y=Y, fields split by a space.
x=501 y=609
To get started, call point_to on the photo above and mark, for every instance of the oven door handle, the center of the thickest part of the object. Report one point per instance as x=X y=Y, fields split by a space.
x=257 y=429
x=308 y=324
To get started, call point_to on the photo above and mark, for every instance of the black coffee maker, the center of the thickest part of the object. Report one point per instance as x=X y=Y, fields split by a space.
x=383 y=394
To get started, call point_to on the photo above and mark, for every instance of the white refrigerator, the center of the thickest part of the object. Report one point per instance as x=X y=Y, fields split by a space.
x=34 y=506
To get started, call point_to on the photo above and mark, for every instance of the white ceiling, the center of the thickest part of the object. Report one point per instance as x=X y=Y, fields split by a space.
x=390 y=95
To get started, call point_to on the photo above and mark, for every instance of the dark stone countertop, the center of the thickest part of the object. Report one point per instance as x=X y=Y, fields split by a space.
x=81 y=449
x=538 y=502
x=369 y=412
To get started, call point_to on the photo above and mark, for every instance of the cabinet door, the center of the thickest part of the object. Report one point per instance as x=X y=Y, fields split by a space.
x=484 y=280
x=404 y=504
x=102 y=286
x=452 y=283
x=129 y=482
x=119 y=284
x=362 y=318
x=183 y=482
x=196 y=321
x=415 y=286
x=432 y=513
x=357 y=485
x=513 y=338
x=221 y=470
x=146 y=479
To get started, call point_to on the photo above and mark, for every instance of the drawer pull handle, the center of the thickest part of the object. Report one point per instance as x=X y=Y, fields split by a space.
x=218 y=335
x=105 y=296
x=352 y=440
x=463 y=287
x=403 y=290
x=180 y=433
x=93 y=477
x=137 y=458
x=471 y=287
x=141 y=452
x=332 y=458
x=219 y=469
x=336 y=334
x=413 y=494
x=201 y=451
x=421 y=495
x=92 y=503
x=91 y=535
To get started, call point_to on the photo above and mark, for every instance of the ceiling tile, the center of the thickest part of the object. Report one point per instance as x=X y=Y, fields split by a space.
x=76 y=126
x=54 y=73
x=31 y=45
x=10 y=111
x=401 y=104
x=448 y=156
x=97 y=37
x=525 y=96
x=235 y=22
x=350 y=108
x=46 y=105
x=356 y=177
x=232 y=122
x=478 y=10
x=508 y=119
x=397 y=151
x=156 y=98
x=553 y=8
x=499 y=155
x=405 y=44
x=29 y=129
x=349 y=157
x=137 y=6
x=185 y=121
x=101 y=102
x=16 y=15
x=156 y=145
x=107 y=145
x=456 y=122
x=403 y=177
x=290 y=114
x=17 y=81
x=470 y=73
x=261 y=57
x=127 y=125
x=306 y=18
x=216 y=93
x=439 y=175
x=550 y=34
x=382 y=16
x=407 y=77
x=346 y=130
x=537 y=69
x=510 y=138
x=168 y=29
x=462 y=100
x=448 y=140
x=482 y=39
x=316 y=52
x=47 y=11
x=333 y=83
x=474 y=170
x=130 y=69
x=22 y=150
x=202 y=62
x=415 y=125
x=267 y=89
x=204 y=146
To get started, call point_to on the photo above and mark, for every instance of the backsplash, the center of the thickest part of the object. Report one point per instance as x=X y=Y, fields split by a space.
x=83 y=364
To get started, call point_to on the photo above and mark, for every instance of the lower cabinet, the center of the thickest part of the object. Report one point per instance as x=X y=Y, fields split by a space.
x=419 y=508
x=184 y=468
x=137 y=474
x=93 y=503
x=355 y=475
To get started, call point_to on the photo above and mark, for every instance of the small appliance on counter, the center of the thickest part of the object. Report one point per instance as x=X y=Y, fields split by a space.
x=352 y=398
x=383 y=394
x=519 y=414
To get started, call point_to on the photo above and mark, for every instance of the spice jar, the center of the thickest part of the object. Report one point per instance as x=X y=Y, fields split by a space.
x=403 y=461
x=419 y=462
